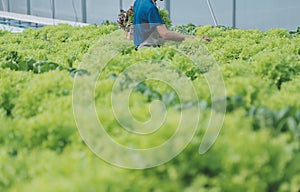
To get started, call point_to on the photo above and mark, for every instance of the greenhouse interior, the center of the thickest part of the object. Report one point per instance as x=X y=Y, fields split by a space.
x=164 y=96
x=241 y=14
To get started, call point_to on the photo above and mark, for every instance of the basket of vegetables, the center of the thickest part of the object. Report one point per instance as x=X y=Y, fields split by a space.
x=125 y=20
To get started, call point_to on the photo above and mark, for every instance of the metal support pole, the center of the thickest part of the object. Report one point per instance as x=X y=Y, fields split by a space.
x=8 y=5
x=3 y=5
x=168 y=7
x=28 y=7
x=121 y=4
x=212 y=13
x=84 y=14
x=53 y=9
x=234 y=14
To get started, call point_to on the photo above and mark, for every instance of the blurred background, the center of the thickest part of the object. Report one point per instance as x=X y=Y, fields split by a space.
x=260 y=14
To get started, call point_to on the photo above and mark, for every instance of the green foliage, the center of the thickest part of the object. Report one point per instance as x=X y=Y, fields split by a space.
x=274 y=55
x=258 y=147
x=62 y=44
x=295 y=33
x=278 y=68
x=16 y=63
x=165 y=17
x=240 y=160
x=189 y=29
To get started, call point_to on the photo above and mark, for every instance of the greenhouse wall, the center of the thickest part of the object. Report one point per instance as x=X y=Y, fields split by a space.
x=261 y=14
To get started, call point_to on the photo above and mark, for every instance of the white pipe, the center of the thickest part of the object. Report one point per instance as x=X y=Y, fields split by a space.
x=212 y=12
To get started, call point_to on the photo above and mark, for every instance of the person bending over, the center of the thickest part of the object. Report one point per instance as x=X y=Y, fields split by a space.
x=149 y=29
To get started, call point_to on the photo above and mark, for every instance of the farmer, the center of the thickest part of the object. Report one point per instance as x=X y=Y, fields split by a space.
x=149 y=29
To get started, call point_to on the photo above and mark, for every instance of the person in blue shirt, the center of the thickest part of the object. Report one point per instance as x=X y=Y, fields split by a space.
x=149 y=29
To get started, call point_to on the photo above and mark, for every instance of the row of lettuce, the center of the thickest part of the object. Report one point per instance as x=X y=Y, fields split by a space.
x=258 y=147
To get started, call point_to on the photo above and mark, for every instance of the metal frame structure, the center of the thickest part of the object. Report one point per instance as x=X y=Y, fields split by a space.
x=121 y=4
x=8 y=5
x=19 y=18
x=84 y=13
x=18 y=22
x=53 y=8
x=167 y=6
x=28 y=4
x=234 y=14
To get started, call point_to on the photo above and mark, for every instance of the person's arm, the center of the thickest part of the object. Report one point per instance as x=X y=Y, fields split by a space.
x=169 y=35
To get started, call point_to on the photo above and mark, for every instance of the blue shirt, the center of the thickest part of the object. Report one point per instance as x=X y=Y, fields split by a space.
x=146 y=18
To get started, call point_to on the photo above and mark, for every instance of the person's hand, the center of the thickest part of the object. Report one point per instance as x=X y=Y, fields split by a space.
x=208 y=39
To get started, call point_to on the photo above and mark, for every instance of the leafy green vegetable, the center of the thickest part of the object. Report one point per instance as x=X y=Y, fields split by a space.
x=258 y=147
